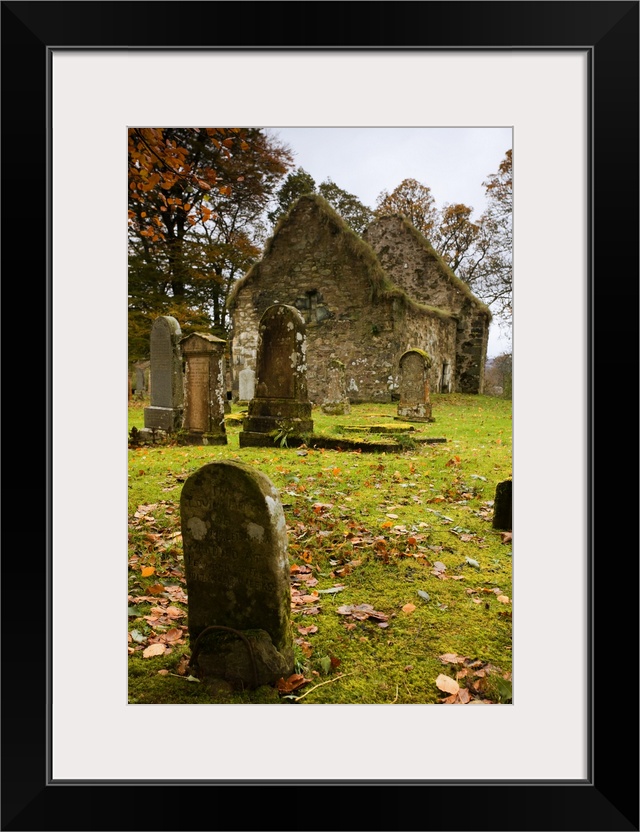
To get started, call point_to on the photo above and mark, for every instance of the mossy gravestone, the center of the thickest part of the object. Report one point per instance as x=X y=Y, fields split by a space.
x=281 y=404
x=205 y=390
x=415 y=402
x=336 y=401
x=166 y=382
x=238 y=577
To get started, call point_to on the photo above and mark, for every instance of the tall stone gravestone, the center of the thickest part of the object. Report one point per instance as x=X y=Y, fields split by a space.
x=281 y=402
x=246 y=384
x=238 y=577
x=336 y=401
x=142 y=377
x=415 y=403
x=166 y=382
x=204 y=390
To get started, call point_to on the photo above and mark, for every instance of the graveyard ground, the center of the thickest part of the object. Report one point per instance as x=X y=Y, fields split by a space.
x=401 y=588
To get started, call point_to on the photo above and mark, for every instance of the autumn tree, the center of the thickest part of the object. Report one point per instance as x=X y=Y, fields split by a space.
x=461 y=242
x=498 y=377
x=197 y=198
x=299 y=182
x=477 y=251
x=415 y=201
x=353 y=212
x=480 y=253
x=496 y=272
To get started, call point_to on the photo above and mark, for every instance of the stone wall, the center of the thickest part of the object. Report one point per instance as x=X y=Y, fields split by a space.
x=412 y=264
x=439 y=342
x=352 y=311
x=471 y=349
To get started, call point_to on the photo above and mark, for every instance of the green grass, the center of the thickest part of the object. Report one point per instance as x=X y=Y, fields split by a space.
x=374 y=523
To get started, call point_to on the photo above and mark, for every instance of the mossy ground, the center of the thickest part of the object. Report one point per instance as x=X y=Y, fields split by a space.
x=369 y=527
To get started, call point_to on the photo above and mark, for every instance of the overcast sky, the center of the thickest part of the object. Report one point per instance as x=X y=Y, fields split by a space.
x=452 y=161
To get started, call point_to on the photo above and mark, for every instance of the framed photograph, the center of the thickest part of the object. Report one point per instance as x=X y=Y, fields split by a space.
x=564 y=77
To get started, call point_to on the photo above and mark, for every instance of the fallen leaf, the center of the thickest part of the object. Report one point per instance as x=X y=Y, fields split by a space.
x=305 y=646
x=449 y=700
x=361 y=612
x=163 y=672
x=408 y=608
x=147 y=570
x=156 y=589
x=424 y=595
x=464 y=696
x=507 y=537
x=293 y=682
x=447 y=684
x=183 y=666
x=154 y=650
x=503 y=599
x=451 y=658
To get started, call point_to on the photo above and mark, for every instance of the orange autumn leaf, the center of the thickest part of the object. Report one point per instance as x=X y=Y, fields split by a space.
x=293 y=682
x=156 y=589
x=147 y=571
x=409 y=607
x=172 y=635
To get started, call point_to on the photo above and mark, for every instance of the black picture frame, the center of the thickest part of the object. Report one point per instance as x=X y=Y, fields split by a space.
x=608 y=798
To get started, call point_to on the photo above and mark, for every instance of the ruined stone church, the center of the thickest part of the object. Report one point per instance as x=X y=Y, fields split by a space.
x=365 y=300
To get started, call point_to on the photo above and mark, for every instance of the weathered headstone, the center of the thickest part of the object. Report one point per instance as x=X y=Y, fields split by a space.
x=246 y=384
x=503 y=505
x=414 y=404
x=142 y=377
x=238 y=577
x=336 y=401
x=166 y=382
x=204 y=390
x=280 y=404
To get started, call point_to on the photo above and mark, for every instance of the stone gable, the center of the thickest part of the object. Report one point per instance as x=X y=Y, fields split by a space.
x=354 y=310
x=413 y=264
